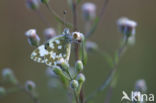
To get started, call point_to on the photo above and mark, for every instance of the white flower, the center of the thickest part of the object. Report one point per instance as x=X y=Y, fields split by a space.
x=126 y=26
x=33 y=38
x=77 y=37
x=49 y=33
x=141 y=85
x=89 y=11
x=33 y=4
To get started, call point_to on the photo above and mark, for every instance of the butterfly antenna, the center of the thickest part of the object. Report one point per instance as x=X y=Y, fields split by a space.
x=66 y=30
x=64 y=13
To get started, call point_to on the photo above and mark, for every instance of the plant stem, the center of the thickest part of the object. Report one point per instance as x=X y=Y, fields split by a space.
x=74 y=91
x=111 y=75
x=76 y=97
x=57 y=17
x=77 y=57
x=109 y=95
x=74 y=6
x=34 y=98
x=120 y=53
x=74 y=11
x=97 y=20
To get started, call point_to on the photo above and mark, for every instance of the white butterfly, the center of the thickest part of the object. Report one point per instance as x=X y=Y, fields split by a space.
x=54 y=50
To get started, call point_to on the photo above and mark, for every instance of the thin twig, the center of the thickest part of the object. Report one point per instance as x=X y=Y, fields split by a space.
x=18 y=87
x=74 y=91
x=109 y=95
x=120 y=53
x=34 y=98
x=57 y=17
x=111 y=75
x=76 y=97
x=98 y=18
x=74 y=8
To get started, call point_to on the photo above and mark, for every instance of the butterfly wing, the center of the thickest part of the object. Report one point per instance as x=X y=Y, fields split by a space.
x=52 y=51
x=39 y=53
x=58 y=49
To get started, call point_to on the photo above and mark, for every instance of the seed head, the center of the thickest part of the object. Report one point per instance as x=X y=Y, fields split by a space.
x=77 y=37
x=49 y=33
x=89 y=11
x=44 y=1
x=126 y=26
x=30 y=85
x=33 y=4
x=8 y=76
x=140 y=85
x=33 y=38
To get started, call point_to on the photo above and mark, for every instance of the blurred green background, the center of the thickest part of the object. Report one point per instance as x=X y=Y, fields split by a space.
x=137 y=63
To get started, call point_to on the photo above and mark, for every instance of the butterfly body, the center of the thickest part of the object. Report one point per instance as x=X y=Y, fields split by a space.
x=54 y=50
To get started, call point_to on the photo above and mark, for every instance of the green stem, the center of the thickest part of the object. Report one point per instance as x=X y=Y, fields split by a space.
x=97 y=20
x=57 y=17
x=111 y=75
x=31 y=95
x=106 y=57
x=74 y=91
x=78 y=2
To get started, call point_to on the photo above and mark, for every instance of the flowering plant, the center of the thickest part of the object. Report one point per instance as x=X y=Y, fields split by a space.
x=56 y=50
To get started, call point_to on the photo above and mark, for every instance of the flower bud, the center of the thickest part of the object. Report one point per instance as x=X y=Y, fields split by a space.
x=91 y=46
x=63 y=64
x=81 y=78
x=33 y=38
x=79 y=66
x=2 y=91
x=74 y=84
x=9 y=76
x=57 y=70
x=88 y=11
x=140 y=85
x=126 y=26
x=44 y=1
x=49 y=33
x=30 y=85
x=77 y=37
x=61 y=75
x=33 y=4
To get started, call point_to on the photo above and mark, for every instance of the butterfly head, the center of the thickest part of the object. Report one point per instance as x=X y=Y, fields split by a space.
x=67 y=34
x=66 y=31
